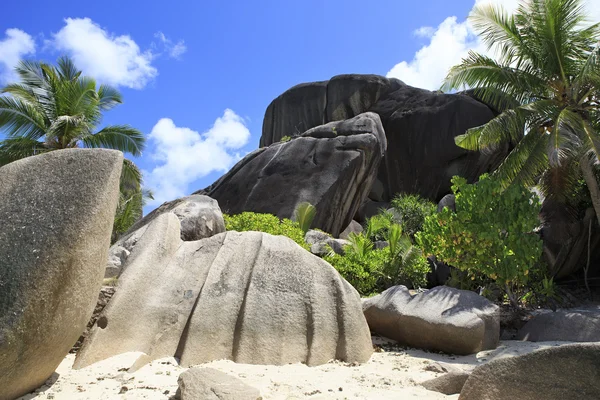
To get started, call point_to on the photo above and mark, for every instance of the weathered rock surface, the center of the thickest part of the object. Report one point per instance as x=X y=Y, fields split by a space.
x=568 y=372
x=249 y=297
x=200 y=217
x=57 y=211
x=441 y=319
x=314 y=236
x=450 y=383
x=353 y=227
x=331 y=166
x=420 y=126
x=323 y=248
x=211 y=384
x=578 y=325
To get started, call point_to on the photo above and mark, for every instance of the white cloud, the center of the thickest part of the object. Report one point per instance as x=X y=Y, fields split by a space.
x=449 y=44
x=184 y=155
x=174 y=50
x=13 y=48
x=116 y=60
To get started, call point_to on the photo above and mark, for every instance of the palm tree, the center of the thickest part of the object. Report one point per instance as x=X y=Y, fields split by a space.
x=54 y=108
x=545 y=82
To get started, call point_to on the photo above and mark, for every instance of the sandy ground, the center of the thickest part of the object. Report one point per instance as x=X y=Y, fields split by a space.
x=392 y=372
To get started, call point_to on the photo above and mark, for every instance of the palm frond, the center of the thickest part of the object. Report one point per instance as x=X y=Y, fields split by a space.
x=118 y=137
x=67 y=69
x=13 y=149
x=109 y=97
x=131 y=176
x=20 y=118
x=526 y=161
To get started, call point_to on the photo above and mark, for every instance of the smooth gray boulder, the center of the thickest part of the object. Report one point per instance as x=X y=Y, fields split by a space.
x=249 y=297
x=353 y=227
x=568 y=372
x=211 y=384
x=57 y=211
x=313 y=237
x=200 y=217
x=448 y=384
x=331 y=167
x=441 y=319
x=577 y=325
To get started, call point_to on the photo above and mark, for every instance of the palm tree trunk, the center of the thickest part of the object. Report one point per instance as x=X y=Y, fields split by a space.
x=592 y=184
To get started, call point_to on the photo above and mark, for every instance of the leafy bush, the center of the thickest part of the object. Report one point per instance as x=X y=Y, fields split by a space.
x=360 y=265
x=285 y=139
x=268 y=223
x=412 y=210
x=370 y=270
x=304 y=215
x=490 y=235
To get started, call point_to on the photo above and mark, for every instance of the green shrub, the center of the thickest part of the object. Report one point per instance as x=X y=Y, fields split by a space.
x=405 y=263
x=361 y=266
x=370 y=270
x=378 y=226
x=412 y=210
x=490 y=235
x=285 y=139
x=268 y=223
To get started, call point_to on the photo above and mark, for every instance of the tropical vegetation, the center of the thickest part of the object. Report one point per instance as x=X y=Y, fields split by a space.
x=491 y=235
x=545 y=83
x=268 y=223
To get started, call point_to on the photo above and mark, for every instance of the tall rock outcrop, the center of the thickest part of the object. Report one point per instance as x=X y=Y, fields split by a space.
x=331 y=166
x=420 y=127
x=57 y=211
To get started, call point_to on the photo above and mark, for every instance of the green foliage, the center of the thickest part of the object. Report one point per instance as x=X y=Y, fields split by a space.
x=378 y=226
x=405 y=264
x=268 y=223
x=412 y=210
x=129 y=210
x=304 y=215
x=490 y=235
x=361 y=265
x=285 y=139
x=369 y=269
x=545 y=82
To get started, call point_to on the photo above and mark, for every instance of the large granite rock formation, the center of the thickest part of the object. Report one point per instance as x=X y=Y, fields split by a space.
x=420 y=126
x=57 y=211
x=568 y=372
x=200 y=217
x=249 y=297
x=441 y=319
x=331 y=166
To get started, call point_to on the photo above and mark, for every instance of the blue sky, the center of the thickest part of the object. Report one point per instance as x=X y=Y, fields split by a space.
x=197 y=76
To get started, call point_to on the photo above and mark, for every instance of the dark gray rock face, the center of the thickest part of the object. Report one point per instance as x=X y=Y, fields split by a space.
x=441 y=319
x=211 y=384
x=420 y=126
x=579 y=325
x=249 y=297
x=331 y=166
x=568 y=372
x=57 y=211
